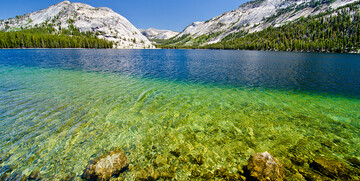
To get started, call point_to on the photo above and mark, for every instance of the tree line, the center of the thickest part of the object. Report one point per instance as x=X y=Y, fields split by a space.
x=47 y=37
x=335 y=31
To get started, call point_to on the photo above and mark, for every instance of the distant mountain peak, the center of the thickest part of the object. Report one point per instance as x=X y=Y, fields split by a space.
x=153 y=33
x=103 y=21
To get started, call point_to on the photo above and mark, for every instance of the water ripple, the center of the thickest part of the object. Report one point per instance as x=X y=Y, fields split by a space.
x=54 y=120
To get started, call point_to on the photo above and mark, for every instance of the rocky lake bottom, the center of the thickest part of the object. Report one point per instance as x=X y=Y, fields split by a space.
x=55 y=123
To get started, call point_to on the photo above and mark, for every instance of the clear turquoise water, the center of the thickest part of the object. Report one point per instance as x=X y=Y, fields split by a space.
x=55 y=118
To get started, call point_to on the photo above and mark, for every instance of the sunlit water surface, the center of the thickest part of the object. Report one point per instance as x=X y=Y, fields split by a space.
x=61 y=108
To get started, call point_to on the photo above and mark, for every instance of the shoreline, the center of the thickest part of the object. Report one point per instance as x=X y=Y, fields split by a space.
x=325 y=52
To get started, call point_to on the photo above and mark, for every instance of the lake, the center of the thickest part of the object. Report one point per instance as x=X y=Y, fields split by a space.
x=61 y=108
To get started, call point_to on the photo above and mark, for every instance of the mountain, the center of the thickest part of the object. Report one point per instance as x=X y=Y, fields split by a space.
x=153 y=33
x=104 y=22
x=252 y=17
x=335 y=31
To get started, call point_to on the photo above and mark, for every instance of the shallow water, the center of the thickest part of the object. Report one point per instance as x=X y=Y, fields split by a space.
x=61 y=108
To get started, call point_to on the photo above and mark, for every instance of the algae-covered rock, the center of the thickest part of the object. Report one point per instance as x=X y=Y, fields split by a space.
x=197 y=159
x=106 y=166
x=263 y=166
x=176 y=153
x=5 y=172
x=355 y=162
x=34 y=175
x=142 y=175
x=18 y=176
x=195 y=172
x=151 y=174
x=312 y=176
x=300 y=161
x=221 y=172
x=4 y=158
x=224 y=174
x=69 y=177
x=331 y=168
x=160 y=161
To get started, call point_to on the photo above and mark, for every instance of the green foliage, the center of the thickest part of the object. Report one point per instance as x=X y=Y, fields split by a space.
x=331 y=31
x=46 y=37
x=203 y=39
x=70 y=21
x=7 y=27
x=238 y=34
x=338 y=33
x=174 y=41
x=181 y=41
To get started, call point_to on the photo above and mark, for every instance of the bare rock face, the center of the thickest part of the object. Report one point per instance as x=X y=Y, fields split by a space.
x=104 y=167
x=263 y=166
x=104 y=22
x=153 y=33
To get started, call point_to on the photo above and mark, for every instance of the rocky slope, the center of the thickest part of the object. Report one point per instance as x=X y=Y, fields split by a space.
x=103 y=21
x=253 y=16
x=153 y=33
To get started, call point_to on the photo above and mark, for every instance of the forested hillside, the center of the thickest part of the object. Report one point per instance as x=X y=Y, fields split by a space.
x=46 y=37
x=254 y=16
x=332 y=31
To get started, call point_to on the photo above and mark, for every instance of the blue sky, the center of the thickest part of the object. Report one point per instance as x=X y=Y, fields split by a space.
x=160 y=14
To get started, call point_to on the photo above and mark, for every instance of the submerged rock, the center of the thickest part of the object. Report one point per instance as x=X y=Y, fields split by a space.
x=18 y=176
x=106 y=166
x=263 y=166
x=160 y=161
x=312 y=176
x=34 y=175
x=5 y=172
x=224 y=174
x=142 y=175
x=70 y=177
x=355 y=162
x=151 y=173
x=176 y=153
x=197 y=159
x=4 y=158
x=331 y=168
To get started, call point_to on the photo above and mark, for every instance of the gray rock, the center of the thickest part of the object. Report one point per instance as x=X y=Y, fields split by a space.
x=106 y=166
x=263 y=166
x=153 y=33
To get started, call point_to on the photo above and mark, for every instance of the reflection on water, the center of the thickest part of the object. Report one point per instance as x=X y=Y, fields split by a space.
x=61 y=108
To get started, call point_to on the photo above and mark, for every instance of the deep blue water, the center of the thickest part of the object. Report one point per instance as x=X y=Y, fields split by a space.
x=314 y=72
